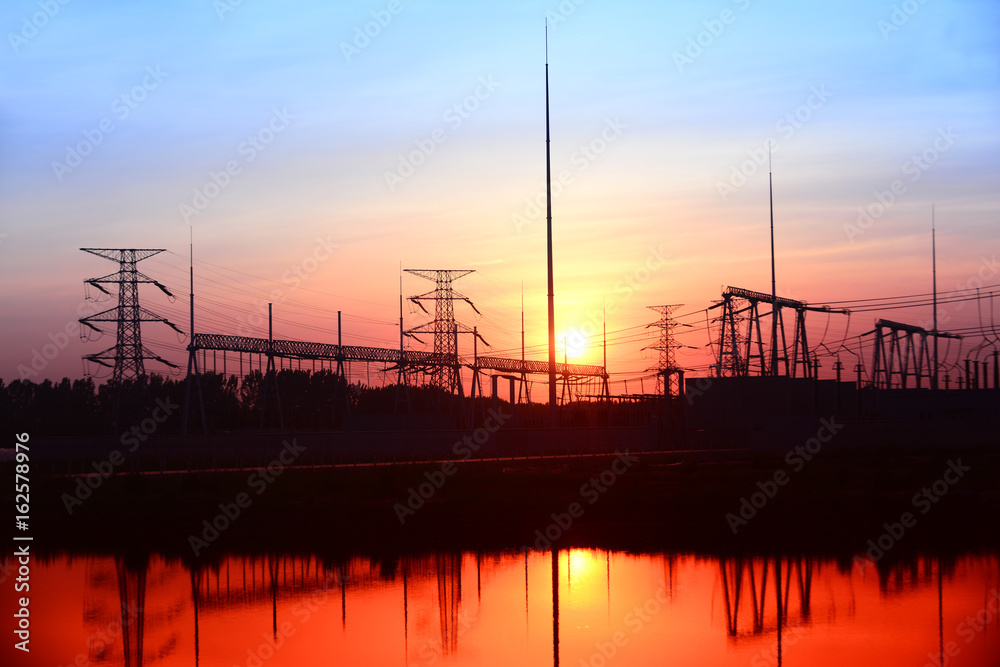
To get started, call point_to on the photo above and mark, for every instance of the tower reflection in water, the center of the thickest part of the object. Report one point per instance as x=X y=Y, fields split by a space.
x=571 y=607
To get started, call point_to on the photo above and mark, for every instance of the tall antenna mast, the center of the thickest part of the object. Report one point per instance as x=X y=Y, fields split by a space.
x=607 y=392
x=191 y=251
x=604 y=317
x=401 y=334
x=934 y=375
x=192 y=370
x=553 y=415
x=774 y=290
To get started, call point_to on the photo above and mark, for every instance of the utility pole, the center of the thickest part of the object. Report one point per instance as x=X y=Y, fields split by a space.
x=553 y=413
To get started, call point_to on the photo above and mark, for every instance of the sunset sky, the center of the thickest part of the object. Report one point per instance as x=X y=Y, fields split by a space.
x=314 y=148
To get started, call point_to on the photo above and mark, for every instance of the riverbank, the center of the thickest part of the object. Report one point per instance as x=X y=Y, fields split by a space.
x=833 y=502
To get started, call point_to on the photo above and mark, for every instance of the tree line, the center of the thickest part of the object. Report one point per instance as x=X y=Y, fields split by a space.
x=308 y=399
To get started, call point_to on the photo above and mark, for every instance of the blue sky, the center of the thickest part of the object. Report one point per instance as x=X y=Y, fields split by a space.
x=883 y=90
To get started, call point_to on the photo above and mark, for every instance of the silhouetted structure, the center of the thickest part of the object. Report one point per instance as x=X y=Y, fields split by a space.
x=737 y=351
x=669 y=378
x=900 y=351
x=551 y=296
x=127 y=356
x=445 y=373
x=411 y=360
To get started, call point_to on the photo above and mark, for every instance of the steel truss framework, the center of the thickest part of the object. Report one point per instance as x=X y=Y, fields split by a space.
x=421 y=361
x=517 y=366
x=128 y=354
x=127 y=358
x=901 y=351
x=739 y=352
x=669 y=378
x=444 y=326
x=409 y=360
x=517 y=370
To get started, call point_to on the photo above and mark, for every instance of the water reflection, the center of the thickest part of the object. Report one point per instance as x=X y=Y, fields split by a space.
x=635 y=609
x=126 y=616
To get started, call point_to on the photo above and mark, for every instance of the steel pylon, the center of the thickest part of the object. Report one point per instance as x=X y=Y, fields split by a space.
x=445 y=372
x=666 y=346
x=126 y=358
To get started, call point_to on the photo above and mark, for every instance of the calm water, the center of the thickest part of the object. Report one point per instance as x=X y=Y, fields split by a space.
x=502 y=609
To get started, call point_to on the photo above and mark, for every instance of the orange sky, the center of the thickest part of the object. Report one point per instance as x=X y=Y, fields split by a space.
x=649 y=154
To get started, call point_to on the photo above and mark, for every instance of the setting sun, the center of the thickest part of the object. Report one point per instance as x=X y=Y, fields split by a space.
x=580 y=563
x=573 y=344
x=551 y=332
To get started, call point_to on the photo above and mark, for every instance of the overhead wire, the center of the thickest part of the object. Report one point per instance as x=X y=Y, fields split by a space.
x=217 y=283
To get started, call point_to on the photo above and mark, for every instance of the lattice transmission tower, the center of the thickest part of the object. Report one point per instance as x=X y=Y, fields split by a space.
x=445 y=372
x=731 y=361
x=667 y=367
x=128 y=354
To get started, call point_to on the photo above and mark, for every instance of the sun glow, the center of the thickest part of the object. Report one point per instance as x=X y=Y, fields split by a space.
x=572 y=344
x=580 y=564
